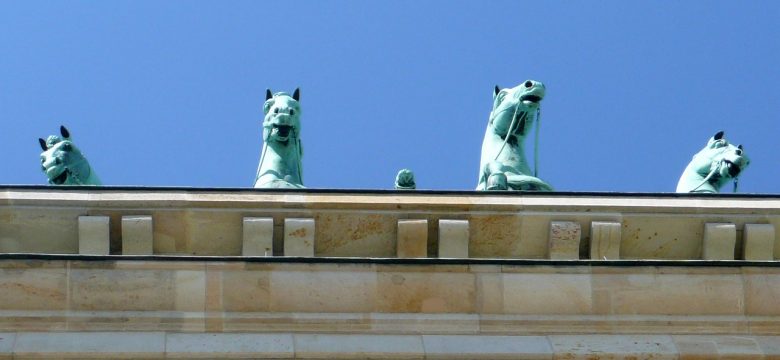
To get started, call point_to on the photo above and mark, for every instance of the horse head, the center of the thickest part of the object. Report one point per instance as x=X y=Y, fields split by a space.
x=515 y=108
x=63 y=163
x=716 y=164
x=282 y=119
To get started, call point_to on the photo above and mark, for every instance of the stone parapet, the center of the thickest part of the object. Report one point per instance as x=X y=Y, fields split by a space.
x=365 y=223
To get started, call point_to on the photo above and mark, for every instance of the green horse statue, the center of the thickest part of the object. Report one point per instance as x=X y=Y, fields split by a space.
x=280 y=161
x=63 y=163
x=715 y=165
x=503 y=165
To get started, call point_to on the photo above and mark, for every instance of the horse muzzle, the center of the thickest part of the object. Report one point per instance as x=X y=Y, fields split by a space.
x=282 y=132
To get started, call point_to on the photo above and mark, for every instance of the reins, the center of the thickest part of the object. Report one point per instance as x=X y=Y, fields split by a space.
x=536 y=136
x=297 y=155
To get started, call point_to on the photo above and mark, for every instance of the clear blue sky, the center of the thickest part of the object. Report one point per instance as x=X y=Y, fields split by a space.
x=170 y=93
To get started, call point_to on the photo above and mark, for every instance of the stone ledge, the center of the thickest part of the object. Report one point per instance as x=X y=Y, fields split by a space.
x=160 y=345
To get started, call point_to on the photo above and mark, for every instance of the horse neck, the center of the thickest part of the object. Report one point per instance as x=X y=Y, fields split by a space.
x=86 y=175
x=282 y=158
x=513 y=153
x=693 y=176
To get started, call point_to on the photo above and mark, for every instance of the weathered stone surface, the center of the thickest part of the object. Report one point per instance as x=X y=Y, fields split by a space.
x=93 y=345
x=586 y=347
x=719 y=241
x=453 y=238
x=326 y=346
x=564 y=240
x=668 y=291
x=500 y=236
x=759 y=242
x=412 y=238
x=196 y=346
x=137 y=235
x=100 y=289
x=717 y=347
x=323 y=291
x=299 y=237
x=356 y=234
x=674 y=237
x=6 y=345
x=413 y=290
x=762 y=291
x=540 y=293
x=605 y=240
x=93 y=235
x=470 y=347
x=42 y=287
x=258 y=237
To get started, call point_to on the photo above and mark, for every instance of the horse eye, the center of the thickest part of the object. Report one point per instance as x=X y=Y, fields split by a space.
x=276 y=111
x=292 y=112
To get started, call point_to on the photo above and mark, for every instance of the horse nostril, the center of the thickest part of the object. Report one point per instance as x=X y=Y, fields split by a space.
x=529 y=83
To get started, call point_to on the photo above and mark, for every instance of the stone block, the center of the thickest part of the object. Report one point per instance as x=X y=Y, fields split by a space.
x=605 y=240
x=6 y=345
x=237 y=296
x=668 y=291
x=34 y=288
x=564 y=240
x=299 y=237
x=322 y=291
x=258 y=237
x=719 y=241
x=356 y=234
x=661 y=236
x=92 y=345
x=358 y=346
x=189 y=346
x=93 y=235
x=759 y=242
x=137 y=235
x=453 y=238
x=717 y=347
x=412 y=239
x=762 y=291
x=96 y=289
x=473 y=347
x=411 y=291
x=504 y=236
x=586 y=347
x=539 y=293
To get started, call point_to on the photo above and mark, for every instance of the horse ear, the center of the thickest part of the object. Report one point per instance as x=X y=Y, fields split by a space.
x=718 y=135
x=64 y=131
x=268 y=94
x=297 y=94
x=43 y=144
x=496 y=90
x=740 y=147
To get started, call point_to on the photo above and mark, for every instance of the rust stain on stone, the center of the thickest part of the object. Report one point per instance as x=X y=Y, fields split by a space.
x=299 y=233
